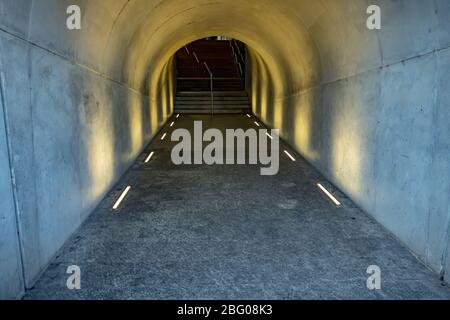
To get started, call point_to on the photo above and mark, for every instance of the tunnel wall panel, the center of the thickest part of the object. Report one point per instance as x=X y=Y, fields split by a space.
x=404 y=152
x=11 y=279
x=443 y=26
x=74 y=132
x=15 y=55
x=348 y=120
x=378 y=126
x=409 y=29
x=15 y=16
x=56 y=147
x=440 y=188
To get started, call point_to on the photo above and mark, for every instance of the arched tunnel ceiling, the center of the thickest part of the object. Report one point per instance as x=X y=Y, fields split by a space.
x=155 y=30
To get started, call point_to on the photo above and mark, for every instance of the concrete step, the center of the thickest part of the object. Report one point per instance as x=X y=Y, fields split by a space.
x=216 y=98
x=208 y=101
x=216 y=94
x=231 y=102
x=206 y=104
x=209 y=107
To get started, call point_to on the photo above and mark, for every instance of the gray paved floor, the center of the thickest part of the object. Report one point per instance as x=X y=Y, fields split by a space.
x=225 y=232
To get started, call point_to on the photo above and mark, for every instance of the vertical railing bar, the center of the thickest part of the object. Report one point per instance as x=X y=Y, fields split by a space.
x=212 y=88
x=196 y=58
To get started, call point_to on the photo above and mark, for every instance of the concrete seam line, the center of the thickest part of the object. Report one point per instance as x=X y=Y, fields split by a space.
x=29 y=283
x=12 y=176
x=115 y=21
x=435 y=115
x=446 y=240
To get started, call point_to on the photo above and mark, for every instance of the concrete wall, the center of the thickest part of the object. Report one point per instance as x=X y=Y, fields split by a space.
x=74 y=131
x=368 y=108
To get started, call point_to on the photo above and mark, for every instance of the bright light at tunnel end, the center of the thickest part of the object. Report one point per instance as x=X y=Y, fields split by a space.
x=329 y=195
x=121 y=198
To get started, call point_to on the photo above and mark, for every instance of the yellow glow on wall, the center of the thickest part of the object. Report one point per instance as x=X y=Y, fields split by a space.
x=304 y=131
x=162 y=94
x=99 y=147
x=135 y=124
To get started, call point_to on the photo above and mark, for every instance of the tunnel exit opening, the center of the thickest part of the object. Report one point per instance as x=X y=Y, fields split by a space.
x=211 y=77
x=220 y=56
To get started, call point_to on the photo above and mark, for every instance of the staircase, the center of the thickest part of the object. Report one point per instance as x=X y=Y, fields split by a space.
x=225 y=102
x=225 y=59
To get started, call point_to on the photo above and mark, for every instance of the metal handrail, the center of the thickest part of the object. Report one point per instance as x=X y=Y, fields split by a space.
x=237 y=56
x=207 y=78
x=196 y=58
x=212 y=87
x=239 y=51
x=211 y=77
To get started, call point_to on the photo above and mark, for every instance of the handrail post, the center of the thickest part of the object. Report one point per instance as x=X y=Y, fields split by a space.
x=212 y=95
x=211 y=76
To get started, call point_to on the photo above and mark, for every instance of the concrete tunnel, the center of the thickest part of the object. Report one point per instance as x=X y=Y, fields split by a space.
x=367 y=109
